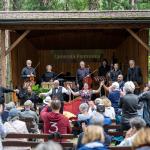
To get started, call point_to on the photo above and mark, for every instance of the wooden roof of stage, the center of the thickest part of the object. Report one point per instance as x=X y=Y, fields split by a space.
x=45 y=20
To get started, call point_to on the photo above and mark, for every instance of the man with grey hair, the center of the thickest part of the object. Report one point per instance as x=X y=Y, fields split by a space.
x=134 y=73
x=84 y=116
x=81 y=73
x=28 y=71
x=136 y=124
x=57 y=93
x=129 y=105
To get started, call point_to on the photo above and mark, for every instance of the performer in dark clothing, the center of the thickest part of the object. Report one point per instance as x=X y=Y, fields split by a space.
x=48 y=75
x=57 y=93
x=28 y=71
x=81 y=73
x=2 y=91
x=115 y=72
x=104 y=68
x=134 y=73
x=28 y=94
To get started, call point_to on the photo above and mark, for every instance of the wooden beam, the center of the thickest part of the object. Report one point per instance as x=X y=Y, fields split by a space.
x=3 y=58
x=17 y=42
x=139 y=39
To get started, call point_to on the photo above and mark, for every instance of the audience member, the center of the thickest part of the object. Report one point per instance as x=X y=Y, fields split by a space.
x=144 y=99
x=93 y=138
x=49 y=146
x=54 y=121
x=109 y=110
x=84 y=116
x=129 y=105
x=92 y=107
x=142 y=139
x=14 y=125
x=5 y=113
x=114 y=94
x=136 y=124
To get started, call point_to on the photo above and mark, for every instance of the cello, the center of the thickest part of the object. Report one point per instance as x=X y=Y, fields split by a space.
x=87 y=79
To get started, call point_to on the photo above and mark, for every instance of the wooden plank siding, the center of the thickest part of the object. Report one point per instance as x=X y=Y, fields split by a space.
x=29 y=48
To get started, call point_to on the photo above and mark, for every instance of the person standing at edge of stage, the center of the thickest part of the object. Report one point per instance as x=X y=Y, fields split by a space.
x=134 y=73
x=81 y=73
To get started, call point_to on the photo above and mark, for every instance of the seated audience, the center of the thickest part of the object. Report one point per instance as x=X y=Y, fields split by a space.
x=129 y=105
x=28 y=113
x=54 y=121
x=14 y=125
x=5 y=113
x=84 y=116
x=93 y=138
x=49 y=146
x=136 y=124
x=97 y=120
x=142 y=139
x=109 y=110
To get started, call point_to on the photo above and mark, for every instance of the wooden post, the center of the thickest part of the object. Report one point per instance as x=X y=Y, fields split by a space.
x=3 y=59
x=17 y=42
x=139 y=39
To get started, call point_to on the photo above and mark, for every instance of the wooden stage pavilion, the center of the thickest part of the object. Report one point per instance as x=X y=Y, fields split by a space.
x=64 y=38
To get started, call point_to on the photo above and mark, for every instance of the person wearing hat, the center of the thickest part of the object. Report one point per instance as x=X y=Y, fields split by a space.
x=28 y=113
x=5 y=113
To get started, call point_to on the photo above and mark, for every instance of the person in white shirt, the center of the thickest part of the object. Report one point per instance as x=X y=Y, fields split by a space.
x=14 y=125
x=57 y=93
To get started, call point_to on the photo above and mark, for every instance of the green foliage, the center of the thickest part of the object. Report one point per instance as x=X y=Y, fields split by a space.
x=79 y=5
x=38 y=89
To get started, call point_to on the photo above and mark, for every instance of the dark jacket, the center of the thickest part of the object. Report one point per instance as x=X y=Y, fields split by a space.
x=102 y=71
x=47 y=76
x=27 y=71
x=135 y=75
x=129 y=105
x=2 y=91
x=114 y=74
x=145 y=99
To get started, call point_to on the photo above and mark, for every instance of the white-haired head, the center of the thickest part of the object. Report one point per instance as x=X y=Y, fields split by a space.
x=129 y=87
x=83 y=107
x=115 y=86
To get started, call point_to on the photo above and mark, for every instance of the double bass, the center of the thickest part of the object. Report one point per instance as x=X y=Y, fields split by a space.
x=87 y=79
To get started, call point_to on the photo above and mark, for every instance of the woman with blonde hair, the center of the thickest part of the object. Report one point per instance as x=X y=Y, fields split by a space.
x=93 y=138
x=142 y=139
x=109 y=110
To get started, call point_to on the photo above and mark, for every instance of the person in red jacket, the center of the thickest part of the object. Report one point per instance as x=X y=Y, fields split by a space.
x=54 y=121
